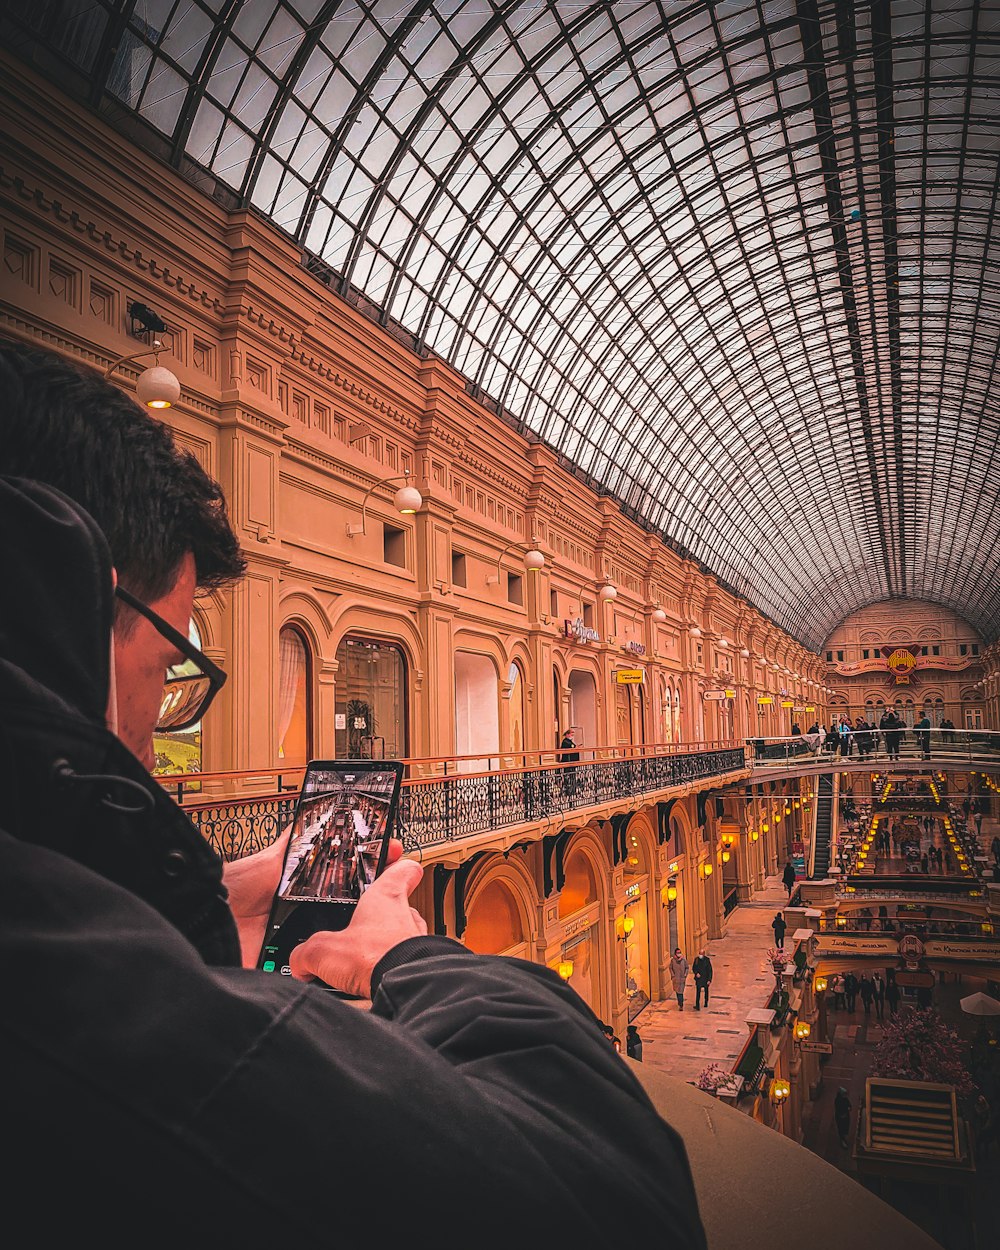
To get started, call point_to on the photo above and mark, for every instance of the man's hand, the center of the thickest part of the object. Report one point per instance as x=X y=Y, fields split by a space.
x=382 y=919
x=252 y=881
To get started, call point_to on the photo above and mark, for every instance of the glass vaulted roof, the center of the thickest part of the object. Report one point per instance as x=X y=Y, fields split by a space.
x=737 y=262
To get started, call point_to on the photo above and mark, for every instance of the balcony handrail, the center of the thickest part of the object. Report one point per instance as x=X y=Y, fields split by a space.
x=433 y=767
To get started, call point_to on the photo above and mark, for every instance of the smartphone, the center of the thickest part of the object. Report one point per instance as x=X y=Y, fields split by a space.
x=344 y=818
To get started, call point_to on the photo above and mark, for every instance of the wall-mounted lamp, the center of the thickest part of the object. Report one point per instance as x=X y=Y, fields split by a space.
x=533 y=561
x=669 y=894
x=819 y=984
x=802 y=1030
x=780 y=1089
x=726 y=855
x=723 y=643
x=565 y=968
x=658 y=615
x=624 y=927
x=754 y=835
x=745 y=653
x=694 y=631
x=707 y=870
x=406 y=501
x=156 y=387
x=608 y=591
x=728 y=839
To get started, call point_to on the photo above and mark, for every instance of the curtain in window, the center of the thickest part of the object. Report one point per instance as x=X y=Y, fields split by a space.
x=292 y=676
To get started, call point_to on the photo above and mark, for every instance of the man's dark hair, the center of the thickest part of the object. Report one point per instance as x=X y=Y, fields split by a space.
x=65 y=425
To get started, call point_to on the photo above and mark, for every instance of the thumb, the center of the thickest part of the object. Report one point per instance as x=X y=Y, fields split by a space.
x=399 y=880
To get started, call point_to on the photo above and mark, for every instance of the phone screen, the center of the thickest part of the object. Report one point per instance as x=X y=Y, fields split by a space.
x=340 y=834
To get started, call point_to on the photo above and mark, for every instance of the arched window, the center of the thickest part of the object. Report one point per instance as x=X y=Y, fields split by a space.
x=294 y=698
x=371 y=706
x=515 y=709
x=179 y=751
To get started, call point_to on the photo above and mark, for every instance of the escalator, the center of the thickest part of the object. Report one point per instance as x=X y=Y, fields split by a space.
x=824 y=826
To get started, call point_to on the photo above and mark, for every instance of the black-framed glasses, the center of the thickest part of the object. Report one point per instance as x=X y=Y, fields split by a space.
x=189 y=687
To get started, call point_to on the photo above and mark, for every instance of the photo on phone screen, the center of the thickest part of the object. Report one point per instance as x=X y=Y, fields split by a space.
x=340 y=835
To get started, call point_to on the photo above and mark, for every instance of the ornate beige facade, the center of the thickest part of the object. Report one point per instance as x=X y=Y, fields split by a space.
x=910 y=656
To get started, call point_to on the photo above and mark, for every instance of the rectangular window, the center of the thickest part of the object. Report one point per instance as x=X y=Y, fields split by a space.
x=936 y=650
x=588 y=615
x=963 y=648
x=394 y=546
x=829 y=656
x=515 y=589
x=458 y=573
x=864 y=654
x=923 y=650
x=840 y=655
x=975 y=648
x=554 y=603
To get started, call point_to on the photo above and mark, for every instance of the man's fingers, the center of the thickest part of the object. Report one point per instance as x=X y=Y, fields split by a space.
x=399 y=880
x=394 y=851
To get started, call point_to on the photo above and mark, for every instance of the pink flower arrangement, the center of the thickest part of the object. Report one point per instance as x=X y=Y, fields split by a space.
x=777 y=957
x=918 y=1046
x=712 y=1078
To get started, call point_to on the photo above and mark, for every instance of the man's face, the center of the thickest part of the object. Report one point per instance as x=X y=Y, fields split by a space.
x=142 y=659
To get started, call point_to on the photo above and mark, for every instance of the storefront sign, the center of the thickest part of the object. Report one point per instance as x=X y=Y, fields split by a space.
x=730 y=694
x=901 y=661
x=942 y=948
x=911 y=949
x=830 y=942
x=636 y=648
x=817 y=1048
x=630 y=677
x=580 y=632
x=715 y=695
x=917 y=980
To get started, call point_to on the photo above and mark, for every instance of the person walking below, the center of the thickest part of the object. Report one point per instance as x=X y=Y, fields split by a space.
x=867 y=992
x=878 y=986
x=892 y=995
x=633 y=1043
x=842 y=1115
x=702 y=969
x=788 y=877
x=779 y=926
x=850 y=990
x=679 y=969
x=837 y=986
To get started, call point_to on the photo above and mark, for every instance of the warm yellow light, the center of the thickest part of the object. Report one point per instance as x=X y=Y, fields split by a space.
x=780 y=1089
x=841 y=922
x=754 y=835
x=819 y=984
x=628 y=924
x=671 y=893
x=802 y=1030
x=725 y=857
x=765 y=826
x=707 y=870
x=565 y=969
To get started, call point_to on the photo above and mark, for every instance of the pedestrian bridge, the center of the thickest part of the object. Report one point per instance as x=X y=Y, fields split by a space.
x=938 y=750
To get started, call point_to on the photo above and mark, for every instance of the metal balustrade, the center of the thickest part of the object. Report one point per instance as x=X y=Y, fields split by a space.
x=447 y=808
x=943 y=748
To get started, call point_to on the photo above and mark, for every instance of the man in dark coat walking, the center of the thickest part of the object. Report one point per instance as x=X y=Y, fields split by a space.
x=788 y=876
x=779 y=925
x=702 y=970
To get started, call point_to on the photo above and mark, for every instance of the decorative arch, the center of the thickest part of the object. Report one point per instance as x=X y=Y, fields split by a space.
x=584 y=846
x=506 y=887
x=301 y=608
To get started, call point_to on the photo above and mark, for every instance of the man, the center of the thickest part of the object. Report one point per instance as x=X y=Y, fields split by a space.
x=568 y=754
x=788 y=877
x=702 y=971
x=779 y=926
x=923 y=731
x=164 y=1094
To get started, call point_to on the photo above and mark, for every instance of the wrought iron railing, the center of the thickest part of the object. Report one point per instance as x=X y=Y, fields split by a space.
x=446 y=809
x=435 y=810
x=943 y=747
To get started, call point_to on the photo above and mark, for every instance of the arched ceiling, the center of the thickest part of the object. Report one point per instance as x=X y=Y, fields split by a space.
x=738 y=262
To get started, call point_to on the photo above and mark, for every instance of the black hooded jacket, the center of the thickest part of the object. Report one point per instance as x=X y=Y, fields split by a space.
x=156 y=1094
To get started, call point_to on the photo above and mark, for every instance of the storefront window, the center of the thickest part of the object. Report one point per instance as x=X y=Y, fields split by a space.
x=179 y=752
x=294 y=719
x=370 y=712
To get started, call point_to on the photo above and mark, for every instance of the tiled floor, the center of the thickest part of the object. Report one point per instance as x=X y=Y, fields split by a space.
x=683 y=1042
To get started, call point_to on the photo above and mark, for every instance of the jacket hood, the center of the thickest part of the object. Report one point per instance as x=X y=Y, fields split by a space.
x=55 y=622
